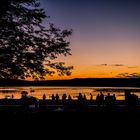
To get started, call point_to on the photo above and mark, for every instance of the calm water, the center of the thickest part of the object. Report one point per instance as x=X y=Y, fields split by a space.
x=73 y=91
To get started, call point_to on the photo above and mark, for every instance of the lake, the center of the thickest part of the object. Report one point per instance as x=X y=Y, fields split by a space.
x=38 y=91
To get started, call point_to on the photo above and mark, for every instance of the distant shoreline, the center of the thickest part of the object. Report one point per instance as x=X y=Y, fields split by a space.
x=78 y=82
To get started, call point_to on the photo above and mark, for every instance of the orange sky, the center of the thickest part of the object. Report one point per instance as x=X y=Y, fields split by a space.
x=102 y=60
x=101 y=71
x=106 y=36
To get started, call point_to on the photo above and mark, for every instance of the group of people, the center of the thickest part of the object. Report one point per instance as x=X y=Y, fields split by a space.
x=108 y=99
x=100 y=98
x=81 y=102
x=57 y=98
x=130 y=99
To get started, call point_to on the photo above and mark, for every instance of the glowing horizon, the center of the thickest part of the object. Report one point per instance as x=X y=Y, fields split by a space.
x=102 y=71
x=105 y=40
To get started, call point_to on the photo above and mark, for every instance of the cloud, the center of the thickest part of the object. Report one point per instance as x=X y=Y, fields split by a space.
x=103 y=64
x=116 y=65
x=128 y=75
x=132 y=67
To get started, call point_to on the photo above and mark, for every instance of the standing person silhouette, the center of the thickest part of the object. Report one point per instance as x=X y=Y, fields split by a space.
x=91 y=97
x=44 y=97
x=57 y=98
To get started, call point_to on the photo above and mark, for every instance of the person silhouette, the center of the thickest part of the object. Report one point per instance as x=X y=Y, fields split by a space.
x=91 y=97
x=57 y=98
x=24 y=100
x=12 y=96
x=108 y=99
x=64 y=96
x=84 y=97
x=101 y=98
x=44 y=97
x=98 y=99
x=52 y=97
x=80 y=97
x=69 y=98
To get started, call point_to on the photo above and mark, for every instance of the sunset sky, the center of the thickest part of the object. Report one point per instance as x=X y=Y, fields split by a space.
x=106 y=36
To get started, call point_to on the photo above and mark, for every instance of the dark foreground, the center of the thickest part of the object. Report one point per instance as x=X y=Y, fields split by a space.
x=103 y=117
x=65 y=125
x=56 y=114
x=48 y=111
x=100 y=122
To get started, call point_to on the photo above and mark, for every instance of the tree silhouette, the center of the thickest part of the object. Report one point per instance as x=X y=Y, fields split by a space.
x=27 y=48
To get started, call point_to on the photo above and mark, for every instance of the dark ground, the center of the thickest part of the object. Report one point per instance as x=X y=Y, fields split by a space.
x=64 y=125
x=106 y=122
x=71 y=125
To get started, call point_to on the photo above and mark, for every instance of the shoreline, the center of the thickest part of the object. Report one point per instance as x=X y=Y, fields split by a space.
x=89 y=82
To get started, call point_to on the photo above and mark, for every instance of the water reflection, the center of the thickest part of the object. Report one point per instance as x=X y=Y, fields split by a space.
x=73 y=91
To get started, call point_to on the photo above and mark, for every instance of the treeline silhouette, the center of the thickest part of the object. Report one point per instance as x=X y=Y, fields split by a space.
x=96 y=82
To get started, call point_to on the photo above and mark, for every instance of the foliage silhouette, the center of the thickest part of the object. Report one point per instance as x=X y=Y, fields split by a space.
x=27 y=48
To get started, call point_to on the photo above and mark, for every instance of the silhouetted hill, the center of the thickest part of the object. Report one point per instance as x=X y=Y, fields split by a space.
x=104 y=82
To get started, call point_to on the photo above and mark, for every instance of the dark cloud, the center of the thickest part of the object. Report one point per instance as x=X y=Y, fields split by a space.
x=104 y=65
x=128 y=75
x=117 y=65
